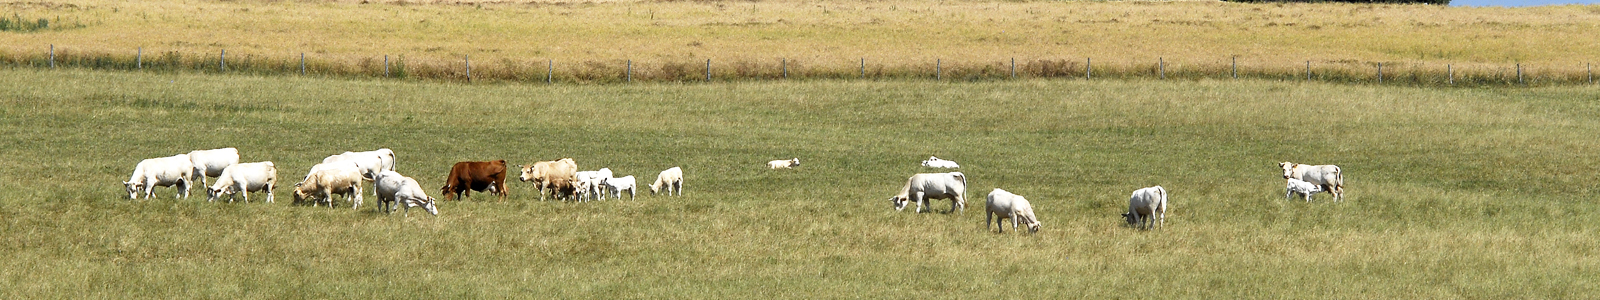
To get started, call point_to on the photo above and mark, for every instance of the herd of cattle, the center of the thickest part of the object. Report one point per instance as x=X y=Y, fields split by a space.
x=344 y=174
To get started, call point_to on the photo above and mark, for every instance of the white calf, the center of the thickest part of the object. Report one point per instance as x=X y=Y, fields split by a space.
x=1005 y=205
x=936 y=162
x=165 y=171
x=784 y=163
x=671 y=179
x=1147 y=205
x=209 y=163
x=619 y=184
x=245 y=178
x=1301 y=187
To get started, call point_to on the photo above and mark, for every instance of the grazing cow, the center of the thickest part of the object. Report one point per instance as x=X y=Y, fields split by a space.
x=244 y=179
x=550 y=176
x=1004 y=205
x=619 y=184
x=936 y=162
x=671 y=180
x=922 y=187
x=1147 y=205
x=590 y=183
x=1301 y=187
x=322 y=185
x=468 y=176
x=1329 y=177
x=370 y=162
x=398 y=190
x=176 y=171
x=209 y=163
x=784 y=163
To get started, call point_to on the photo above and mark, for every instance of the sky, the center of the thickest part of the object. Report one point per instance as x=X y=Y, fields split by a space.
x=1518 y=3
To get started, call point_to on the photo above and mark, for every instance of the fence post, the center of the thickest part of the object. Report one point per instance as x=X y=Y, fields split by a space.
x=708 y=70
x=467 y=60
x=385 y=65
x=1519 y=73
x=139 y=58
x=938 y=72
x=630 y=70
x=863 y=67
x=1380 y=73
x=52 y=56
x=1013 y=68
x=549 y=67
x=785 y=64
x=1587 y=68
x=1308 y=70
x=1161 y=65
x=302 y=63
x=1088 y=68
x=1235 y=67
x=222 y=61
x=1451 y=72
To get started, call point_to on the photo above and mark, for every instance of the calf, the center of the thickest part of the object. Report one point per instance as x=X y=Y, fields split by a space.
x=245 y=178
x=470 y=176
x=922 y=187
x=784 y=163
x=936 y=162
x=322 y=185
x=1147 y=205
x=671 y=179
x=398 y=190
x=546 y=174
x=176 y=171
x=619 y=184
x=1301 y=187
x=1005 y=205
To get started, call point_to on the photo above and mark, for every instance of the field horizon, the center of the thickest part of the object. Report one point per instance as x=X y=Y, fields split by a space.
x=1452 y=193
x=673 y=41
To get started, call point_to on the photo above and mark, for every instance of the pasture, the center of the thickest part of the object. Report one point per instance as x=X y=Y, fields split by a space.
x=1452 y=193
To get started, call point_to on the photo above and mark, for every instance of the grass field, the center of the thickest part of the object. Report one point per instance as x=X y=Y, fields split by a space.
x=1453 y=193
x=672 y=40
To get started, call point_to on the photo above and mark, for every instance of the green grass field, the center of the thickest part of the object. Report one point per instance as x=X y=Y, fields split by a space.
x=1453 y=193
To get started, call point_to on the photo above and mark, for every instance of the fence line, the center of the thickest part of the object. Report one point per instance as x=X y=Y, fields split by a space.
x=594 y=71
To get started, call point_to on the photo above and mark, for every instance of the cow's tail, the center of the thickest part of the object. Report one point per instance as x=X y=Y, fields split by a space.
x=963 y=187
x=1163 y=192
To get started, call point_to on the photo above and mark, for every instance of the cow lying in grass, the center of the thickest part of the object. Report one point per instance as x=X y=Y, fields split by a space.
x=936 y=162
x=784 y=163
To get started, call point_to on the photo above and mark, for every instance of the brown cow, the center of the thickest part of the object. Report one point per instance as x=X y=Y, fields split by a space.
x=468 y=176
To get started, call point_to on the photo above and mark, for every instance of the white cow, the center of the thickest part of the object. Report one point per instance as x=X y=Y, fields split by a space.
x=1004 y=205
x=922 y=187
x=619 y=184
x=325 y=183
x=936 y=162
x=396 y=190
x=210 y=163
x=671 y=179
x=245 y=178
x=164 y=171
x=784 y=163
x=345 y=165
x=589 y=182
x=1329 y=177
x=1301 y=187
x=370 y=163
x=1147 y=205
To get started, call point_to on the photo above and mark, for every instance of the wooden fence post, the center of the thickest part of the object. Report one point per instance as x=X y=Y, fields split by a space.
x=708 y=70
x=630 y=70
x=138 y=59
x=1161 y=65
x=1380 y=73
x=938 y=72
x=302 y=63
x=1235 y=67
x=863 y=67
x=385 y=65
x=1088 y=68
x=1587 y=68
x=52 y=56
x=785 y=64
x=1308 y=70
x=1013 y=65
x=1519 y=73
x=467 y=60
x=1451 y=72
x=549 y=68
x=222 y=61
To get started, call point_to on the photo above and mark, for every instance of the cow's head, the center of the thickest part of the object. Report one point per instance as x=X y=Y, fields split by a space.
x=132 y=188
x=426 y=204
x=300 y=195
x=898 y=202
x=446 y=191
x=795 y=162
x=1033 y=225
x=1131 y=218
x=527 y=173
x=1288 y=169
x=213 y=193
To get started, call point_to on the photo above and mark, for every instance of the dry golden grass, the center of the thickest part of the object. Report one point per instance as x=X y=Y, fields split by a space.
x=592 y=41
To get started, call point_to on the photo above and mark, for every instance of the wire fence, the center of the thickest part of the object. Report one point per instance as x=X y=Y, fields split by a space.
x=612 y=71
